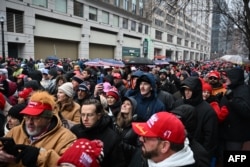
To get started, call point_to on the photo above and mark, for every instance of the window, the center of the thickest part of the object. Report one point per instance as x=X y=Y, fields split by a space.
x=179 y=31
x=192 y=44
x=92 y=13
x=61 y=6
x=170 y=38
x=105 y=17
x=140 y=27
x=178 y=41
x=117 y=3
x=116 y=20
x=133 y=25
x=158 y=34
x=170 y=19
x=170 y=28
x=186 y=42
x=126 y=4
x=158 y=23
x=134 y=6
x=78 y=9
x=146 y=29
x=197 y=46
x=14 y=21
x=125 y=23
x=41 y=3
x=141 y=7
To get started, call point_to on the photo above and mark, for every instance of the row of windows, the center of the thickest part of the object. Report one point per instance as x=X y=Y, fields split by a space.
x=170 y=38
x=15 y=21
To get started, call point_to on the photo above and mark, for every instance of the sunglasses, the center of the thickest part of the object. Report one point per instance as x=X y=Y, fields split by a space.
x=212 y=78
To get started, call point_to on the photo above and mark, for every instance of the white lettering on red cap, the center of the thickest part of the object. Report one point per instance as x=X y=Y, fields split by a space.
x=167 y=133
x=152 y=120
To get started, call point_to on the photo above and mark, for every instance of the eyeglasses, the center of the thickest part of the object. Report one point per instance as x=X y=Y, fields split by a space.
x=88 y=115
x=212 y=78
x=31 y=118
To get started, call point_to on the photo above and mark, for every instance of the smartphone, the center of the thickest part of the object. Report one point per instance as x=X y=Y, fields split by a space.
x=99 y=79
x=9 y=145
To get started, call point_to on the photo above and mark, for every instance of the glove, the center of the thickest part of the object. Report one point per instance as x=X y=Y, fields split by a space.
x=219 y=95
x=28 y=155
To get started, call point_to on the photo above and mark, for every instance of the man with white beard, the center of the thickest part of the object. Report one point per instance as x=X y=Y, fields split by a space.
x=40 y=139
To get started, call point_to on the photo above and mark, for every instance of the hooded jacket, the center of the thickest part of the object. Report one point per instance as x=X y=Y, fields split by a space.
x=54 y=142
x=147 y=106
x=206 y=131
x=236 y=126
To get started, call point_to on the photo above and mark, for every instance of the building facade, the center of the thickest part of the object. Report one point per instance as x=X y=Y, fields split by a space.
x=89 y=29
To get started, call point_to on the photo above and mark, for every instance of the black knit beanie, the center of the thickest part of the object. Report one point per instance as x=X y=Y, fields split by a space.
x=15 y=111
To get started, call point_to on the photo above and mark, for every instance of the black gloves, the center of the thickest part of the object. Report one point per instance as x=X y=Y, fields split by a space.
x=28 y=155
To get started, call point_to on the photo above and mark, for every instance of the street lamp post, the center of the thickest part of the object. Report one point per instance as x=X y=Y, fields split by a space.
x=2 y=19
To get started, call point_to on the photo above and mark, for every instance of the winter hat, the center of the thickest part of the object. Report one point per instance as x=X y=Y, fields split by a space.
x=78 y=78
x=113 y=92
x=206 y=87
x=164 y=125
x=67 y=88
x=32 y=84
x=106 y=87
x=15 y=111
x=83 y=153
x=25 y=93
x=53 y=72
x=83 y=87
x=2 y=101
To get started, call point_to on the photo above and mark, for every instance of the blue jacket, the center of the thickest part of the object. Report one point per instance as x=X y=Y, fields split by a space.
x=147 y=106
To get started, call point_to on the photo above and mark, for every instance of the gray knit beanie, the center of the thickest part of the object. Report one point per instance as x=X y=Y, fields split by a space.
x=67 y=88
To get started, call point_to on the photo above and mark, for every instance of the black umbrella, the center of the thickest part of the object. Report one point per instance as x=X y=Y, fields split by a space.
x=131 y=60
x=52 y=57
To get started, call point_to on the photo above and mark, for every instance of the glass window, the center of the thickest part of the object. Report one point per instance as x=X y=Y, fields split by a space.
x=178 y=41
x=158 y=35
x=125 y=23
x=158 y=23
x=126 y=4
x=14 y=21
x=146 y=29
x=78 y=9
x=61 y=6
x=170 y=38
x=105 y=17
x=42 y=3
x=192 y=44
x=116 y=20
x=133 y=25
x=140 y=27
x=134 y=6
x=186 y=42
x=141 y=7
x=92 y=13
x=117 y=3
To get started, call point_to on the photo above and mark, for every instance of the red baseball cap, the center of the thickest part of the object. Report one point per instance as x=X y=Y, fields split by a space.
x=164 y=125
x=215 y=74
x=117 y=75
x=35 y=108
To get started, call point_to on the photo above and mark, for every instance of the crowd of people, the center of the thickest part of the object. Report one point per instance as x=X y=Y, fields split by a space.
x=63 y=113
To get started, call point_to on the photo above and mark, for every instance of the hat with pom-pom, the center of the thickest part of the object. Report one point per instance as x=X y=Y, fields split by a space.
x=83 y=153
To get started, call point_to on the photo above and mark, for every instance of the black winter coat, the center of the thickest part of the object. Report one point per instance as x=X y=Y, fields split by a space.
x=113 y=155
